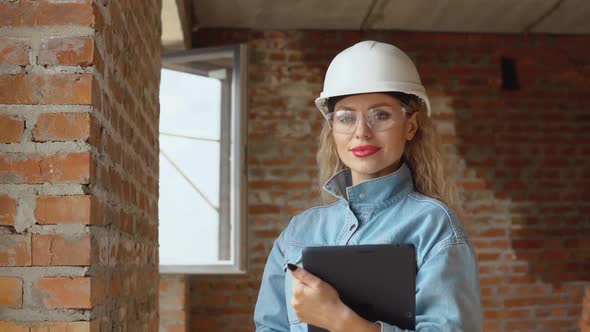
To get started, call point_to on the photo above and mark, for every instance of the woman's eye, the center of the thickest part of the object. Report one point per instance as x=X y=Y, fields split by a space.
x=344 y=117
x=344 y=120
x=381 y=115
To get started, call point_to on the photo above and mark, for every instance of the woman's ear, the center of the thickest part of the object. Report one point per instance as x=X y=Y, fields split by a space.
x=412 y=126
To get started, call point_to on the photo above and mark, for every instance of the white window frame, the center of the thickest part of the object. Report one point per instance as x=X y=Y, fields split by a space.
x=233 y=195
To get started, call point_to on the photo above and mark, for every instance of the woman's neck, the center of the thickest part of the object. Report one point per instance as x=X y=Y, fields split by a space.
x=358 y=178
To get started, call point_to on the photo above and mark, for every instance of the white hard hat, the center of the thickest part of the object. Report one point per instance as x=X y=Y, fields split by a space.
x=371 y=66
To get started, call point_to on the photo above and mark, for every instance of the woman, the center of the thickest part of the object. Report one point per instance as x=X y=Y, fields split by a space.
x=381 y=151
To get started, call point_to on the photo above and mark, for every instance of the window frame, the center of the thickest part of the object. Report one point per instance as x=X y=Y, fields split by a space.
x=232 y=243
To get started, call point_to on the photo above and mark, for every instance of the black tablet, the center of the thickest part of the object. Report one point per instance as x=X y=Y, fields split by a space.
x=377 y=281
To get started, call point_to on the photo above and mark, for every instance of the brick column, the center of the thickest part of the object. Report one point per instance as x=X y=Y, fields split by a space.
x=585 y=317
x=79 y=165
x=174 y=307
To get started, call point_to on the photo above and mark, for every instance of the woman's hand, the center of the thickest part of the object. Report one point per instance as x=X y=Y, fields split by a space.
x=315 y=301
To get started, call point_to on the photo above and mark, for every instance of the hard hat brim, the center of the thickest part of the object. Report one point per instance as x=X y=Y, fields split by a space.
x=322 y=101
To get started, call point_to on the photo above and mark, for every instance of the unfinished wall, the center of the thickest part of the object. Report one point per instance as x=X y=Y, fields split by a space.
x=174 y=302
x=522 y=158
x=78 y=169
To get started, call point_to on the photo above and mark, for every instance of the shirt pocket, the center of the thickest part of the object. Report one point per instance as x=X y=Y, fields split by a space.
x=294 y=256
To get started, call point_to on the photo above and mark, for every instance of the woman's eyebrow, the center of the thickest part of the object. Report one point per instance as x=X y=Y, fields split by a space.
x=379 y=105
x=348 y=108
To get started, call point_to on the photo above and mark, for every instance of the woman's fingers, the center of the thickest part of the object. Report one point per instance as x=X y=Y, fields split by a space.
x=305 y=277
x=298 y=287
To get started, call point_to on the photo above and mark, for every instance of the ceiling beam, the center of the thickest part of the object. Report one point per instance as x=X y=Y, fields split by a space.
x=187 y=19
x=177 y=21
x=540 y=19
x=365 y=23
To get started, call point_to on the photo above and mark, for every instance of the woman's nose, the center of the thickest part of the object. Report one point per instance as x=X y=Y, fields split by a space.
x=362 y=128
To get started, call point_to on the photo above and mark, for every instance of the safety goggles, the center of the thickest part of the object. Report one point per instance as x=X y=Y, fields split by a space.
x=345 y=121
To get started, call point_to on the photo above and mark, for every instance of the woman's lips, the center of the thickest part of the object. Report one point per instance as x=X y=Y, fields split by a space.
x=364 y=150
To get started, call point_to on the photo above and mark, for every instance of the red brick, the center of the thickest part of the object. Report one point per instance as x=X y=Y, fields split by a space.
x=521 y=325
x=49 y=326
x=9 y=14
x=11 y=292
x=266 y=234
x=91 y=326
x=63 y=89
x=127 y=223
x=7 y=210
x=99 y=291
x=279 y=161
x=55 y=13
x=264 y=209
x=277 y=56
x=242 y=299
x=62 y=250
x=14 y=51
x=473 y=185
x=115 y=289
x=80 y=209
x=6 y=326
x=41 y=249
x=11 y=129
x=204 y=323
x=40 y=13
x=176 y=328
x=73 y=167
x=164 y=285
x=71 y=250
x=70 y=51
x=62 y=127
x=15 y=250
x=74 y=293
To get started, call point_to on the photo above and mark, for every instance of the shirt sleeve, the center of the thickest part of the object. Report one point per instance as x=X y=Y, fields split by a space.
x=447 y=291
x=270 y=313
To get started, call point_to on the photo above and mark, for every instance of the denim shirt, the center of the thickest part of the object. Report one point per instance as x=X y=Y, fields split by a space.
x=382 y=210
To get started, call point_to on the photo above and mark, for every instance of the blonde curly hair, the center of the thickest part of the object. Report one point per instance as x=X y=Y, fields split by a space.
x=423 y=154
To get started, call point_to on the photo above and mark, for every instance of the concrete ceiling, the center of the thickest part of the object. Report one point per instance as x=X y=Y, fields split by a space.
x=488 y=16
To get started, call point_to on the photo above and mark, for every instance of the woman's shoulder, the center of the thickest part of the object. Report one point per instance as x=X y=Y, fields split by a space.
x=438 y=214
x=313 y=222
x=428 y=203
x=439 y=226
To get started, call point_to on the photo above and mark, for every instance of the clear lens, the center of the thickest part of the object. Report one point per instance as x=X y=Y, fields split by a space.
x=378 y=119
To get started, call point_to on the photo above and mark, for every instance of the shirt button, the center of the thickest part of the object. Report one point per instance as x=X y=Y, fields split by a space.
x=362 y=195
x=352 y=227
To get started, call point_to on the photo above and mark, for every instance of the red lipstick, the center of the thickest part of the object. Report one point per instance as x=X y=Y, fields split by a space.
x=362 y=151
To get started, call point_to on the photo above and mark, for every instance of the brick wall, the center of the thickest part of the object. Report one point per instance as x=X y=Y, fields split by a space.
x=585 y=318
x=78 y=182
x=174 y=303
x=521 y=158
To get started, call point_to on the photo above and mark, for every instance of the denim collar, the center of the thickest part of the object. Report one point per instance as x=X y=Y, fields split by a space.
x=382 y=190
